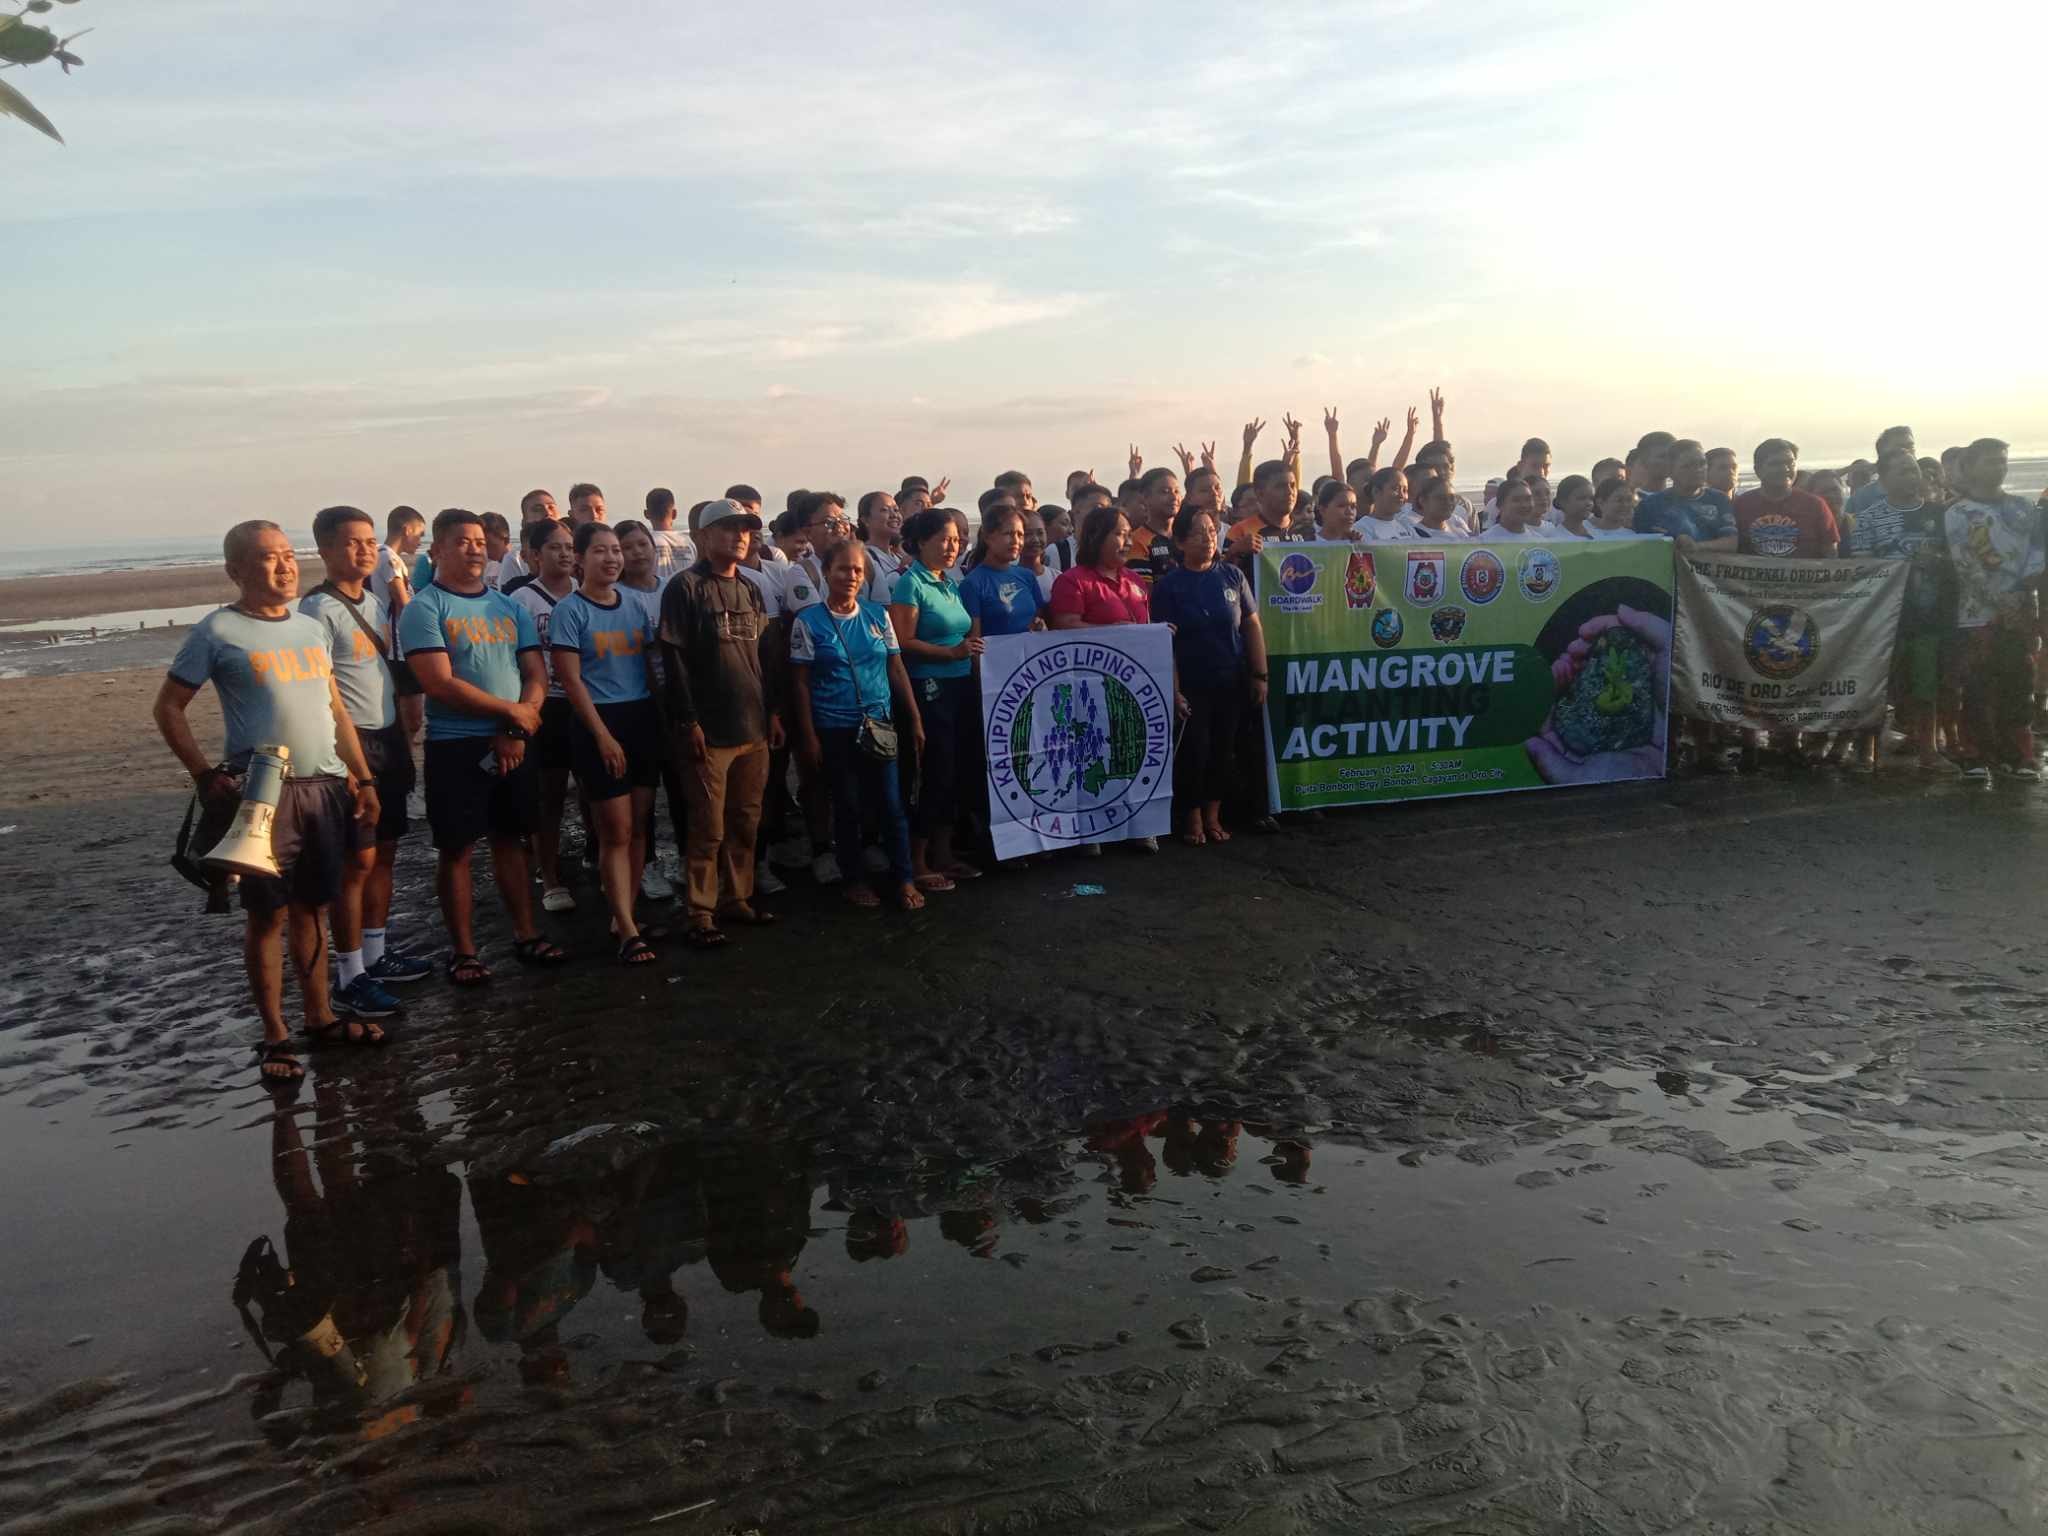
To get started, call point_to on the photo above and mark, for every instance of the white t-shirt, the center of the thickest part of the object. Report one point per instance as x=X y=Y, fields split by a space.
x=673 y=551
x=1595 y=531
x=494 y=572
x=883 y=569
x=1382 y=530
x=1499 y=535
x=765 y=581
x=802 y=585
x=391 y=565
x=538 y=601
x=1456 y=526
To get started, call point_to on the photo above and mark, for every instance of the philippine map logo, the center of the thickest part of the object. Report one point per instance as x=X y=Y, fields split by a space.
x=1084 y=741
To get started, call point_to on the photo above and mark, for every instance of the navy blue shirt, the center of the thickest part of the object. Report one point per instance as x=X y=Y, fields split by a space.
x=1207 y=609
x=1704 y=516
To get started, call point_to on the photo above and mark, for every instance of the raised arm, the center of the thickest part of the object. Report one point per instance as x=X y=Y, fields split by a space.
x=1400 y=459
x=1436 y=415
x=1330 y=431
x=1252 y=429
x=1380 y=430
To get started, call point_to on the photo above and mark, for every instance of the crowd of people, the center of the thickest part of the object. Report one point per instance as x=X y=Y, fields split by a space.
x=802 y=686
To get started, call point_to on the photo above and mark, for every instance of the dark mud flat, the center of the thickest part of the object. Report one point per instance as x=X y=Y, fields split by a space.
x=1652 y=1159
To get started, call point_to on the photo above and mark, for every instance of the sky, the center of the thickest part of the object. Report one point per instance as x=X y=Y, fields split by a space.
x=295 y=254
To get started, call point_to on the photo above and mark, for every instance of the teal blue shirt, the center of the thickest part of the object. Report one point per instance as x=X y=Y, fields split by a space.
x=484 y=635
x=941 y=619
x=273 y=679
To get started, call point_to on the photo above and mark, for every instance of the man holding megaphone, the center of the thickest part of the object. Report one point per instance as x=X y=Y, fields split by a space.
x=270 y=666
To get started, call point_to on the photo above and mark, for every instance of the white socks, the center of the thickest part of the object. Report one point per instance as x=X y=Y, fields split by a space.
x=351 y=963
x=373 y=945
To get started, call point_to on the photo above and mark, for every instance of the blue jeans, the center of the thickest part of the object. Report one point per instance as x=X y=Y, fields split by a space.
x=860 y=783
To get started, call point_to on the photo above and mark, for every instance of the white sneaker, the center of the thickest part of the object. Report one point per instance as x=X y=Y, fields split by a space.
x=877 y=862
x=825 y=869
x=652 y=886
x=556 y=898
x=767 y=882
x=1149 y=844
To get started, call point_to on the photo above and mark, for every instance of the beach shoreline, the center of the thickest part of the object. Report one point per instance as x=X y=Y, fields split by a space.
x=34 y=599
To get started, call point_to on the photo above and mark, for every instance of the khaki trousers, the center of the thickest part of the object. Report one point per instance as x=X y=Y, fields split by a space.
x=724 y=792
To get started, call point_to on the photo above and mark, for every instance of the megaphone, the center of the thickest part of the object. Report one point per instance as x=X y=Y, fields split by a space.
x=245 y=848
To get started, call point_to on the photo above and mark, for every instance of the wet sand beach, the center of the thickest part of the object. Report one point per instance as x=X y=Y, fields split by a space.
x=29 y=599
x=1653 y=1158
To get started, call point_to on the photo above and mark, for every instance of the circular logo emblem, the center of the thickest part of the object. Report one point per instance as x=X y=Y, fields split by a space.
x=1781 y=643
x=1481 y=577
x=1386 y=629
x=1297 y=574
x=1537 y=574
x=1447 y=624
x=1078 y=741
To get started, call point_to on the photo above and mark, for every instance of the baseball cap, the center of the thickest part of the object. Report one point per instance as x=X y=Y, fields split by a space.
x=725 y=511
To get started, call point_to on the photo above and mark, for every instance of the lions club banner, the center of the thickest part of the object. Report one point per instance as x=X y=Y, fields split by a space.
x=1079 y=730
x=1406 y=670
x=1792 y=644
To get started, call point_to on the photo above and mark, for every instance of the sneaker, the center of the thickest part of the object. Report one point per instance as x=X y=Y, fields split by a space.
x=1936 y=763
x=877 y=862
x=1977 y=773
x=556 y=898
x=793 y=852
x=396 y=968
x=767 y=882
x=652 y=886
x=366 y=1000
x=1148 y=844
x=2018 y=771
x=825 y=869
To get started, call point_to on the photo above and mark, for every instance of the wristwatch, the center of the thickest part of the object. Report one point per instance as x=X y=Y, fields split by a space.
x=517 y=733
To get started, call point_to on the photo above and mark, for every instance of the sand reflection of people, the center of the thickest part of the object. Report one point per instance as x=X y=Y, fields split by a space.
x=364 y=1301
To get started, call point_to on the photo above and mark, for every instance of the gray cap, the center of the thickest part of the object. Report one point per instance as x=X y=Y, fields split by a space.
x=727 y=511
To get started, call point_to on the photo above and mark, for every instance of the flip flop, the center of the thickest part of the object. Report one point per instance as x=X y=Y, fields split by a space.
x=910 y=898
x=335 y=1032
x=934 y=882
x=539 y=951
x=705 y=938
x=861 y=896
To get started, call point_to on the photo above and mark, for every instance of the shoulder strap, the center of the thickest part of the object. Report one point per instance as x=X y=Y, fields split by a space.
x=357 y=614
x=852 y=669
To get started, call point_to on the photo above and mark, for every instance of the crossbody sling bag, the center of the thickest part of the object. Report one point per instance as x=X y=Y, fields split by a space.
x=874 y=738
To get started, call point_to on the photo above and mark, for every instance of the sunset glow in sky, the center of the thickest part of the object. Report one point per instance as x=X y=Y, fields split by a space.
x=296 y=254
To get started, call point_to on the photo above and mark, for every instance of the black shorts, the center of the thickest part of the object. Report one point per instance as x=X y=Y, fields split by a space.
x=466 y=800
x=390 y=758
x=634 y=726
x=314 y=837
x=550 y=750
x=402 y=678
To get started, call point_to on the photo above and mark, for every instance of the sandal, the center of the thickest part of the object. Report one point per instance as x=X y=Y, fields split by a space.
x=278 y=1054
x=539 y=951
x=748 y=917
x=934 y=882
x=637 y=951
x=960 y=870
x=861 y=896
x=366 y=1032
x=910 y=898
x=704 y=936
x=467 y=971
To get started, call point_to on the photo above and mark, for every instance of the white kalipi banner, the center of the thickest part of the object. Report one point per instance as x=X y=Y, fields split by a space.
x=1079 y=730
